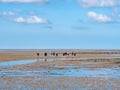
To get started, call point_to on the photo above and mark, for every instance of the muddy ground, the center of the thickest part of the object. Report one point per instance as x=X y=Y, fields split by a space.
x=85 y=72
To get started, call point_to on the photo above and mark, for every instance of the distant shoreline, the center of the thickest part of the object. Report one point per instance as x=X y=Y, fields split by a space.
x=24 y=54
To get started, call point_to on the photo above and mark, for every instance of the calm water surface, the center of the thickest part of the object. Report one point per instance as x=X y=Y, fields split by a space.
x=71 y=71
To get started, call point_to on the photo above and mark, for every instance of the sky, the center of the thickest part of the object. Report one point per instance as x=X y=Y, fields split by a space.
x=59 y=24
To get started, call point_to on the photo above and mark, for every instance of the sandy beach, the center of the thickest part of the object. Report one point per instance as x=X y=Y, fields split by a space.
x=23 y=70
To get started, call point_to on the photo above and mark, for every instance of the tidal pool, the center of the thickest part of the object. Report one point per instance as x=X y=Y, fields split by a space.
x=60 y=71
x=21 y=62
x=13 y=63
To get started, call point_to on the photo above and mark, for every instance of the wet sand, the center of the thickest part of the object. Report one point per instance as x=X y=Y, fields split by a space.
x=60 y=74
x=25 y=54
x=39 y=65
x=58 y=83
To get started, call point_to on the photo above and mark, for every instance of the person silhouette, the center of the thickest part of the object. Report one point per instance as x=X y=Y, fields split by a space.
x=38 y=56
x=45 y=54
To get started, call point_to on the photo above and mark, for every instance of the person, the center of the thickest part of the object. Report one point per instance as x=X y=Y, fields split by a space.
x=45 y=54
x=38 y=54
x=56 y=54
x=64 y=54
x=74 y=54
x=53 y=53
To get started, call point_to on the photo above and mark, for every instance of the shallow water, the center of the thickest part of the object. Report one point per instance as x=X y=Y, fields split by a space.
x=66 y=71
x=13 y=63
x=86 y=72
x=20 y=62
x=69 y=71
x=9 y=82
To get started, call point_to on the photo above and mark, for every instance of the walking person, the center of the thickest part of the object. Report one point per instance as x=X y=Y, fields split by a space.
x=56 y=54
x=74 y=54
x=38 y=56
x=45 y=54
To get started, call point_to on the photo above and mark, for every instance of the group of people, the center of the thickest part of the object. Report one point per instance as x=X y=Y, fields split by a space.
x=68 y=54
x=56 y=54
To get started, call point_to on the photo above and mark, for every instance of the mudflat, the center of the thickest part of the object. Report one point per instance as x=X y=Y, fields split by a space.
x=88 y=70
x=24 y=54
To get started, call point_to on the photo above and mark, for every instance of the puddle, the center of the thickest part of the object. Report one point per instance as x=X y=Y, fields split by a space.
x=13 y=63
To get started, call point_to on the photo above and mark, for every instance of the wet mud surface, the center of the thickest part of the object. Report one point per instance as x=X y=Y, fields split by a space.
x=61 y=74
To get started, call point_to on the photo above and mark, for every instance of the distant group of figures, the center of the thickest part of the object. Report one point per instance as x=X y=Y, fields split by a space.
x=67 y=54
x=56 y=54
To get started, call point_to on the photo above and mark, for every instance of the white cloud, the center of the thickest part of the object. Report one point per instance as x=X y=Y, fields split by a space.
x=23 y=1
x=99 y=17
x=99 y=3
x=7 y=13
x=31 y=19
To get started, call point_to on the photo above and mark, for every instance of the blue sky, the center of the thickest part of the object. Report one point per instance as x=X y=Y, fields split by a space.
x=59 y=24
